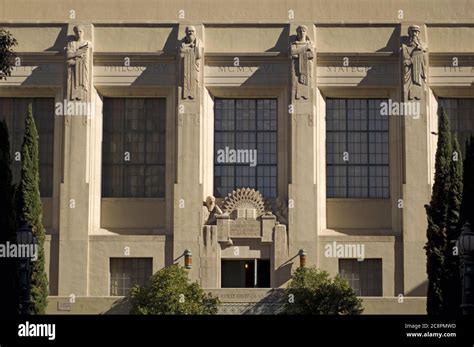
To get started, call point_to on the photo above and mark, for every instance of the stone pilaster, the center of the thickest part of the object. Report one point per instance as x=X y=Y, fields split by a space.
x=79 y=188
x=302 y=226
x=188 y=196
x=209 y=252
x=417 y=179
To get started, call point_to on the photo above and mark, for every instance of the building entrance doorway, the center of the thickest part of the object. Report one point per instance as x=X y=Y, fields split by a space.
x=249 y=273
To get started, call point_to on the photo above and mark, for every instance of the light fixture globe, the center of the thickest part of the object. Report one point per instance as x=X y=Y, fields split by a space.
x=302 y=254
x=188 y=259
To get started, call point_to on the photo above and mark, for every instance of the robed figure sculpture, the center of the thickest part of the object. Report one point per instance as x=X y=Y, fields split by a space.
x=302 y=55
x=190 y=49
x=414 y=64
x=77 y=55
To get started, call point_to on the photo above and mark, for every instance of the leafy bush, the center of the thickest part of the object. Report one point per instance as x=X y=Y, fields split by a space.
x=7 y=42
x=312 y=291
x=171 y=292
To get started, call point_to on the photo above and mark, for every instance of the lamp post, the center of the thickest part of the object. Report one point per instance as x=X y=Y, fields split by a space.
x=302 y=255
x=24 y=236
x=466 y=251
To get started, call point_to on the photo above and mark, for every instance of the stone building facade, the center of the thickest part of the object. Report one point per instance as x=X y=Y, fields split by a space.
x=244 y=133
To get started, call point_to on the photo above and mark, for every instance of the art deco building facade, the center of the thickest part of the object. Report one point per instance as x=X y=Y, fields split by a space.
x=245 y=134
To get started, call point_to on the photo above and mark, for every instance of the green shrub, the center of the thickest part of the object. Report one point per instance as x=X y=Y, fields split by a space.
x=312 y=291
x=171 y=292
x=7 y=42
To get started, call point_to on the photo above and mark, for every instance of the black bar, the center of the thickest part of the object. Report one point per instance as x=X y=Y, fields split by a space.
x=389 y=330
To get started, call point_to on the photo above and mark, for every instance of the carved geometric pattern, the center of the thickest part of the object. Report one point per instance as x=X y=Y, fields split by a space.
x=244 y=198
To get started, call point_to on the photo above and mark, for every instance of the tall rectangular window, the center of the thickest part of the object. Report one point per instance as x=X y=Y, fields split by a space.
x=14 y=111
x=461 y=117
x=245 y=129
x=127 y=272
x=365 y=277
x=134 y=147
x=357 y=155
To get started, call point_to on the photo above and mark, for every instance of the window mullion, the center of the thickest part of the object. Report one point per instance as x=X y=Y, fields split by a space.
x=347 y=147
x=367 y=143
x=124 y=117
x=145 y=117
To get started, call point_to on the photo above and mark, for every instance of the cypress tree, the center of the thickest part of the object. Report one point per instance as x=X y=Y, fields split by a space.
x=451 y=284
x=29 y=209
x=437 y=213
x=8 y=293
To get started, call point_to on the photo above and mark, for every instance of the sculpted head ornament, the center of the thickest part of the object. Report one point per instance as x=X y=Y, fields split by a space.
x=190 y=34
x=414 y=33
x=210 y=203
x=413 y=28
x=302 y=33
x=79 y=31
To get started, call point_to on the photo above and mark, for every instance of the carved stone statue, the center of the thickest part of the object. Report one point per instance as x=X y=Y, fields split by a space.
x=302 y=54
x=414 y=64
x=77 y=55
x=190 y=49
x=212 y=210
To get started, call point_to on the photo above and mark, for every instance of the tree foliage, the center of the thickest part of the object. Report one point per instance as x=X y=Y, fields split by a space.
x=467 y=204
x=29 y=209
x=7 y=42
x=443 y=214
x=314 y=292
x=451 y=281
x=171 y=292
x=8 y=293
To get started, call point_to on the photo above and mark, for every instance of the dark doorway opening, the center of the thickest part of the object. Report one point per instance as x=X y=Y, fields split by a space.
x=251 y=273
x=263 y=271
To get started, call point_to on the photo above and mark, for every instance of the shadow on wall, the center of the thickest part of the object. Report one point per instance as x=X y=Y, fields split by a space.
x=61 y=41
x=53 y=270
x=393 y=43
x=283 y=272
x=283 y=41
x=44 y=75
x=160 y=73
x=420 y=290
x=121 y=306
x=387 y=73
x=271 y=304
x=171 y=44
